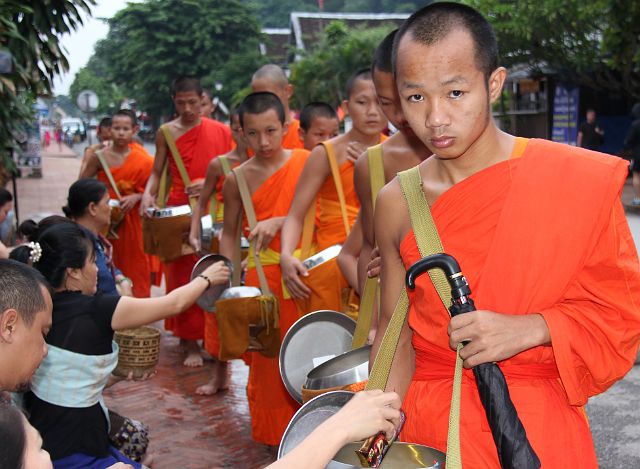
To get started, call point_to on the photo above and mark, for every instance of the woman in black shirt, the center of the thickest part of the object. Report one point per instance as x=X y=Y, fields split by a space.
x=65 y=403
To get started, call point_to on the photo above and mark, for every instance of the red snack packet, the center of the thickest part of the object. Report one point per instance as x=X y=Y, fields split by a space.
x=374 y=448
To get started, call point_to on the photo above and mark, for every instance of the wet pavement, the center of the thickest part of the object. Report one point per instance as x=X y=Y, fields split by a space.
x=189 y=431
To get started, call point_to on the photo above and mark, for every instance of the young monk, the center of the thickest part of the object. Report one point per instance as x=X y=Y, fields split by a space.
x=271 y=176
x=197 y=139
x=316 y=180
x=103 y=134
x=319 y=122
x=552 y=267
x=272 y=79
x=130 y=165
x=213 y=186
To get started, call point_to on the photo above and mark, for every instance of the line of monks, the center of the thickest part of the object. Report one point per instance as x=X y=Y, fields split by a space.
x=537 y=227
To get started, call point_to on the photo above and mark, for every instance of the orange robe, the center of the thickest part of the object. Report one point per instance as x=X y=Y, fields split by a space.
x=270 y=405
x=197 y=146
x=540 y=243
x=128 y=250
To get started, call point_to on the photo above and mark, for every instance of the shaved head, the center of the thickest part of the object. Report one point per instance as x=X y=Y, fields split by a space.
x=271 y=73
x=382 y=57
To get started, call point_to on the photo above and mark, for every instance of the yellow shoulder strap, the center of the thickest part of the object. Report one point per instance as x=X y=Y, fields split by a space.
x=376 y=171
x=171 y=143
x=107 y=171
x=335 y=171
x=253 y=221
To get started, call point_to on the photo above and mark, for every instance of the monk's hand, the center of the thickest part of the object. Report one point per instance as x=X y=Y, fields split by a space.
x=194 y=189
x=493 y=337
x=148 y=201
x=194 y=238
x=265 y=231
x=292 y=269
x=129 y=201
x=373 y=267
x=354 y=150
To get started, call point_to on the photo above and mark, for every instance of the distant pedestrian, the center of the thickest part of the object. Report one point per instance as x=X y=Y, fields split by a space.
x=47 y=138
x=632 y=143
x=590 y=136
x=58 y=137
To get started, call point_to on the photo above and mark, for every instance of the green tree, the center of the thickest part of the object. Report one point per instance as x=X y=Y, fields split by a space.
x=595 y=43
x=151 y=43
x=30 y=30
x=94 y=77
x=321 y=74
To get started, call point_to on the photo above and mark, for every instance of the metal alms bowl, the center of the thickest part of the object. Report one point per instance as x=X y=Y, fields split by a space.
x=313 y=339
x=349 y=368
x=240 y=292
x=207 y=300
x=316 y=411
x=209 y=230
x=322 y=256
x=400 y=456
x=310 y=416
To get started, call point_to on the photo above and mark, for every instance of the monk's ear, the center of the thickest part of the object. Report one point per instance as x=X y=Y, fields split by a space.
x=288 y=90
x=496 y=83
x=136 y=129
x=285 y=128
x=8 y=324
x=345 y=107
x=301 y=133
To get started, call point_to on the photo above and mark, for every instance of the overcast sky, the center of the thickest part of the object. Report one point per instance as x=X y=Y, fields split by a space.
x=79 y=44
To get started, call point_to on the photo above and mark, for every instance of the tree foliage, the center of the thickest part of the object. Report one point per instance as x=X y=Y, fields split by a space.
x=595 y=43
x=94 y=77
x=321 y=74
x=151 y=43
x=30 y=30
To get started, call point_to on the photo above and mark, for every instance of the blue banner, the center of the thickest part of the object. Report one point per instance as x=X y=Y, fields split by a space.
x=565 y=113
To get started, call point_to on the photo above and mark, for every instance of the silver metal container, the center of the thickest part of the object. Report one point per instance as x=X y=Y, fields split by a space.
x=240 y=292
x=114 y=203
x=318 y=410
x=349 y=368
x=169 y=211
x=321 y=257
x=207 y=300
x=209 y=231
x=312 y=340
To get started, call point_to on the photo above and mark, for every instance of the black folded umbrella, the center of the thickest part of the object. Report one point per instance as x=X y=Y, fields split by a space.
x=509 y=435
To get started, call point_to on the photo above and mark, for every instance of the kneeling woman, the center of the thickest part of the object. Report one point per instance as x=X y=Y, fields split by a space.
x=65 y=403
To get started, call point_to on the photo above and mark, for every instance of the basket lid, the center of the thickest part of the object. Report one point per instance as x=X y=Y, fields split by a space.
x=312 y=340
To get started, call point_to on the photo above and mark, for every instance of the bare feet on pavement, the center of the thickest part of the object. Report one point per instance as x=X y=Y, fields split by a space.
x=194 y=357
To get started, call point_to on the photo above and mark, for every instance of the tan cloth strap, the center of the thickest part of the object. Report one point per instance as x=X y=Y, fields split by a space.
x=184 y=175
x=213 y=201
x=107 y=171
x=428 y=241
x=163 y=186
x=376 y=171
x=335 y=171
x=253 y=221
x=365 y=312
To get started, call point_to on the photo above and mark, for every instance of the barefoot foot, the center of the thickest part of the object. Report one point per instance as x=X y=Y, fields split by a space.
x=222 y=376
x=194 y=357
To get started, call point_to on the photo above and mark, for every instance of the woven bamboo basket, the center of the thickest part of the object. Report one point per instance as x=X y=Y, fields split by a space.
x=139 y=351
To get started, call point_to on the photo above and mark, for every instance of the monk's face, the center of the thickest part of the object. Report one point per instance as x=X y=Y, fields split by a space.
x=264 y=133
x=389 y=100
x=321 y=130
x=206 y=106
x=444 y=95
x=362 y=106
x=188 y=104
x=104 y=134
x=122 y=131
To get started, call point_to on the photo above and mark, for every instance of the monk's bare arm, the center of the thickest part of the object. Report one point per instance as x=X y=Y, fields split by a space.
x=90 y=164
x=363 y=190
x=151 y=190
x=210 y=181
x=315 y=171
x=389 y=224
x=232 y=216
x=348 y=257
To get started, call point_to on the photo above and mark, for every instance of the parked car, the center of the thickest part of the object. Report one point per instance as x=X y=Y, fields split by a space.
x=74 y=126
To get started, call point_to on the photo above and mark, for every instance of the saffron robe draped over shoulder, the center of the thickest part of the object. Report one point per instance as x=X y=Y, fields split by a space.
x=197 y=146
x=270 y=404
x=128 y=250
x=545 y=233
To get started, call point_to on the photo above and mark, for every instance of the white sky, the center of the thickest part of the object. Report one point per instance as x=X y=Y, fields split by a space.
x=79 y=44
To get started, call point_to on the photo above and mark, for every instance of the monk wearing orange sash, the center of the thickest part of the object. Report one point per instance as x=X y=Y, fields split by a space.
x=198 y=139
x=213 y=184
x=552 y=267
x=271 y=177
x=317 y=180
x=130 y=166
x=272 y=79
